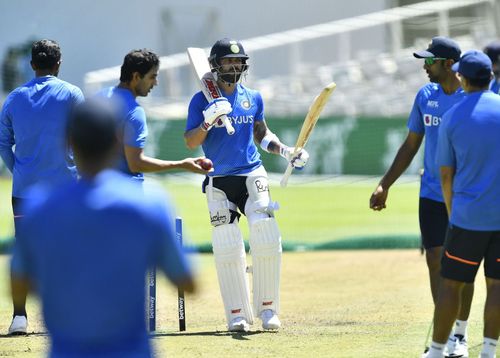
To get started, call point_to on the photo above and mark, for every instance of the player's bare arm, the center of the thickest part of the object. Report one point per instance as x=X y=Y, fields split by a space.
x=447 y=176
x=195 y=137
x=403 y=158
x=138 y=162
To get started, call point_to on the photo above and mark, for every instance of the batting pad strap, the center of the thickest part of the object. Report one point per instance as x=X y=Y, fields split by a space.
x=268 y=138
x=230 y=262
x=265 y=246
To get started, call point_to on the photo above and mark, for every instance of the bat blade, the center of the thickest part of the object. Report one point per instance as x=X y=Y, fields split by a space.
x=208 y=84
x=308 y=126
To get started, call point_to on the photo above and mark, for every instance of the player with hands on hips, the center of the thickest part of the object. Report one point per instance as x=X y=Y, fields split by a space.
x=239 y=185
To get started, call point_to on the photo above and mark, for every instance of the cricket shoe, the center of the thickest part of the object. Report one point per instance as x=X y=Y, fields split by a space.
x=19 y=326
x=457 y=347
x=270 y=320
x=239 y=324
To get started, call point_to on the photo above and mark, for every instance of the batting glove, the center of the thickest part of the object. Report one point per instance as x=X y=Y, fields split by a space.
x=299 y=160
x=214 y=110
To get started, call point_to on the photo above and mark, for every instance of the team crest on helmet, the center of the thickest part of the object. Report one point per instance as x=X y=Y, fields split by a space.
x=245 y=104
x=234 y=48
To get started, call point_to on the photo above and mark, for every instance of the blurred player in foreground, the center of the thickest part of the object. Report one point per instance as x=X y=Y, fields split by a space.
x=85 y=249
x=430 y=104
x=493 y=52
x=239 y=181
x=138 y=76
x=34 y=119
x=468 y=157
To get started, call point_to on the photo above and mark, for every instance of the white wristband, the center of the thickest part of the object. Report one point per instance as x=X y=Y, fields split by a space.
x=268 y=138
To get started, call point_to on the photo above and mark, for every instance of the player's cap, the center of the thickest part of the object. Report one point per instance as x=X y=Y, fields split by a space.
x=493 y=51
x=227 y=48
x=473 y=64
x=441 y=47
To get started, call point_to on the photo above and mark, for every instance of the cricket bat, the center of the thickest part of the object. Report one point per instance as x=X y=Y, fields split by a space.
x=208 y=84
x=308 y=125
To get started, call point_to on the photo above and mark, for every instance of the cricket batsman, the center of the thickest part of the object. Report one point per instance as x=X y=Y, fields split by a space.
x=239 y=185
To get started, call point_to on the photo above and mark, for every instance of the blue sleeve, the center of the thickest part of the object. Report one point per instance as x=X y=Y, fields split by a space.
x=7 y=136
x=135 y=129
x=415 y=120
x=77 y=96
x=445 y=154
x=171 y=258
x=259 y=113
x=195 y=111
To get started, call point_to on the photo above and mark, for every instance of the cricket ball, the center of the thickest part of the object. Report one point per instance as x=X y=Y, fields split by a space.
x=206 y=163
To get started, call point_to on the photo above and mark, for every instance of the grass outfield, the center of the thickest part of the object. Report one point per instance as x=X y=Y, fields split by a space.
x=321 y=211
x=334 y=304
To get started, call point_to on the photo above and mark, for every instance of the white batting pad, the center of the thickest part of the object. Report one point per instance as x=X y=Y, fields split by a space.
x=218 y=206
x=230 y=262
x=259 y=204
x=265 y=246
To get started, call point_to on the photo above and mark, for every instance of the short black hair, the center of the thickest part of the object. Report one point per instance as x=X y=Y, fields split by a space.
x=45 y=54
x=479 y=82
x=93 y=129
x=141 y=61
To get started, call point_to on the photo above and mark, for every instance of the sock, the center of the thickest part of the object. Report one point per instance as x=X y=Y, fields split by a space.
x=489 y=347
x=436 y=350
x=461 y=328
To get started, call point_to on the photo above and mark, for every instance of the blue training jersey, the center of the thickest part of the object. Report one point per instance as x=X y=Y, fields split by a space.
x=469 y=141
x=87 y=247
x=34 y=118
x=425 y=117
x=495 y=85
x=134 y=128
x=234 y=154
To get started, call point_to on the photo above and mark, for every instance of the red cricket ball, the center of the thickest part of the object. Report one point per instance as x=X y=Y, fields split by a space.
x=206 y=163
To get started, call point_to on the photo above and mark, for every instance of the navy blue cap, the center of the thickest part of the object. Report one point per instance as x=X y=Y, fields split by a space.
x=493 y=51
x=441 y=47
x=473 y=64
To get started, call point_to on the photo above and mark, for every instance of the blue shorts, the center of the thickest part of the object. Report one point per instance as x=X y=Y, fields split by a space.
x=465 y=249
x=433 y=219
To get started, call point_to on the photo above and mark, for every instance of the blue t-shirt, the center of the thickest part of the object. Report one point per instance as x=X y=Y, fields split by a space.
x=469 y=141
x=34 y=118
x=134 y=127
x=428 y=109
x=87 y=247
x=495 y=85
x=231 y=154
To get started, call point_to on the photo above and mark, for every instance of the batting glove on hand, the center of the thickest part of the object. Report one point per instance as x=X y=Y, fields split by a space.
x=299 y=160
x=214 y=110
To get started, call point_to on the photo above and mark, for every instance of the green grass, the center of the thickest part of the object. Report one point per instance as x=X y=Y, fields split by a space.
x=313 y=213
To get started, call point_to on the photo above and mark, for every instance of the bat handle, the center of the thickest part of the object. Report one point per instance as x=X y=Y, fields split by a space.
x=228 y=125
x=288 y=172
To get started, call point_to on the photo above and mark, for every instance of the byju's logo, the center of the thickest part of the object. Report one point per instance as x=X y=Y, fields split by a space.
x=430 y=120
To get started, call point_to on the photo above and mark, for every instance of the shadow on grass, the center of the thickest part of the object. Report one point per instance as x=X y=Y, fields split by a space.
x=32 y=334
x=242 y=336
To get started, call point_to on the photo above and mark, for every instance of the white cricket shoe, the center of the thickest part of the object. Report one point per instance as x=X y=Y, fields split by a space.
x=457 y=347
x=19 y=326
x=270 y=320
x=239 y=324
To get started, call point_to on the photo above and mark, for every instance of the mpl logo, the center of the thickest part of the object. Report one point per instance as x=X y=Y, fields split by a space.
x=433 y=104
x=430 y=120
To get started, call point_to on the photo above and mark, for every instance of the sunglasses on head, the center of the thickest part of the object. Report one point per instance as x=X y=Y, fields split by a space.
x=431 y=60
